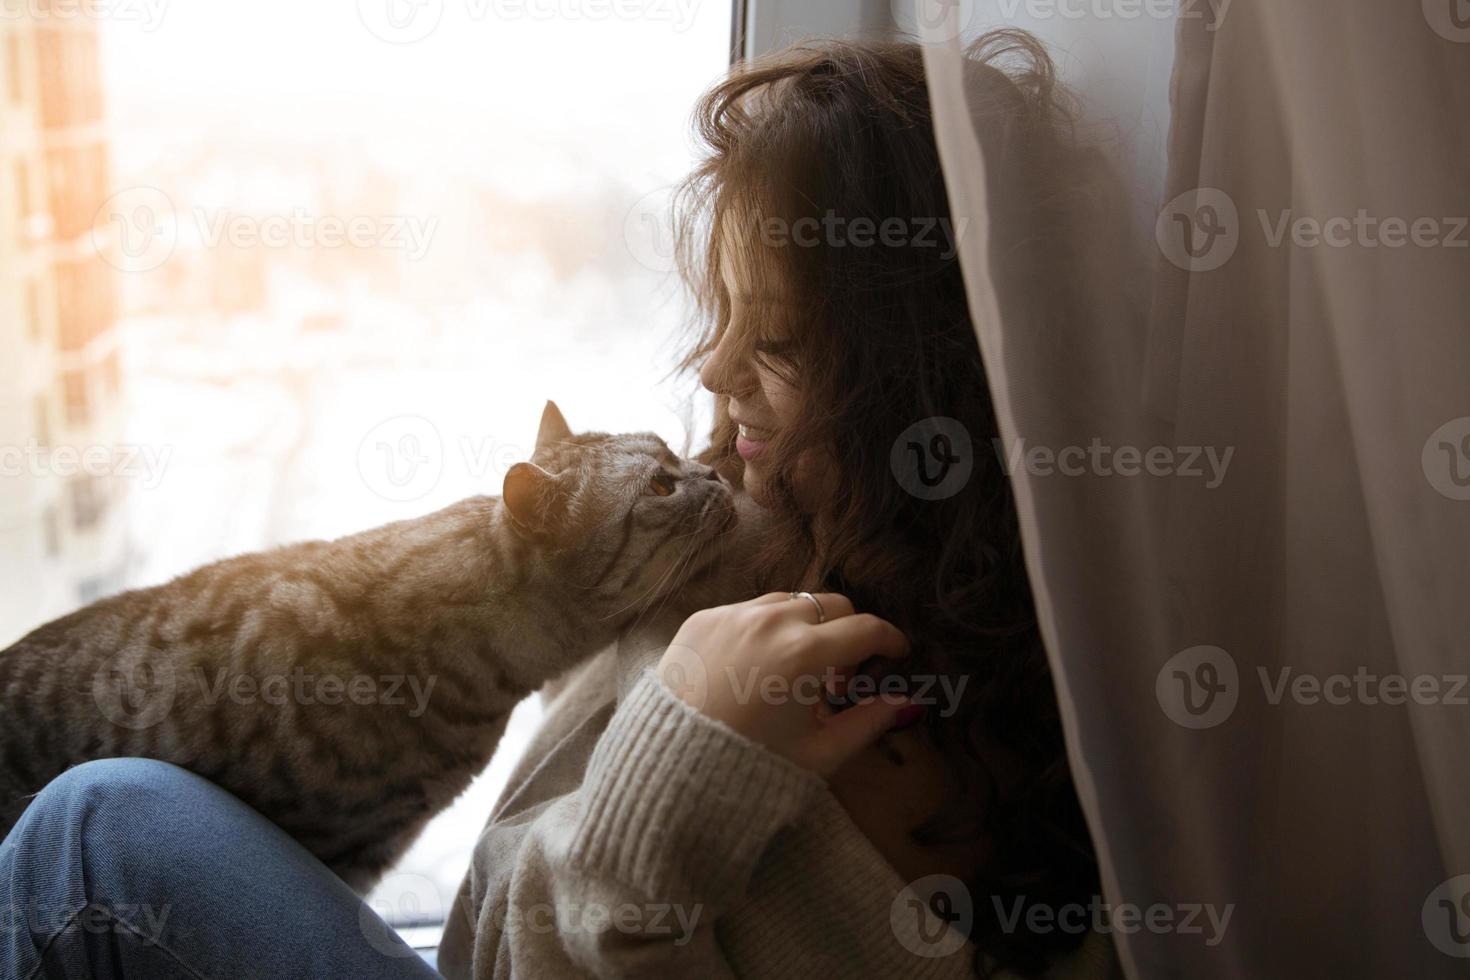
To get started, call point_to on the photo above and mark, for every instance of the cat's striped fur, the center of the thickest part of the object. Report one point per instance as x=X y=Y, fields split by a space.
x=442 y=623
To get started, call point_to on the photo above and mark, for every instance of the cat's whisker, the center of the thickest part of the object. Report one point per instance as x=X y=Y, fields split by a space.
x=641 y=597
x=659 y=588
x=664 y=595
x=648 y=595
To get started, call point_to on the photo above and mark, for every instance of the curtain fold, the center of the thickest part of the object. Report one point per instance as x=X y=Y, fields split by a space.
x=1260 y=638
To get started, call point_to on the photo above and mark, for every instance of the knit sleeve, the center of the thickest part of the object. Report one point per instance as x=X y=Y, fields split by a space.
x=678 y=804
x=627 y=875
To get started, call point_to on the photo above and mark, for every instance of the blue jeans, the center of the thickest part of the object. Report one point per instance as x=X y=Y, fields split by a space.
x=130 y=869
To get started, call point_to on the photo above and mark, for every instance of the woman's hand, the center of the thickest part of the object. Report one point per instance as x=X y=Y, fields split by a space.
x=763 y=667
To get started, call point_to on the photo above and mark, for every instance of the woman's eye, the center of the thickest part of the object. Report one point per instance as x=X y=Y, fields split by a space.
x=662 y=484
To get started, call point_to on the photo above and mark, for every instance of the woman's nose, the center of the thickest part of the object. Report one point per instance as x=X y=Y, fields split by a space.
x=724 y=372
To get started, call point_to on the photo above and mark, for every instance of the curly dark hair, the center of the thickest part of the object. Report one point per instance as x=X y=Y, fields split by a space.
x=878 y=337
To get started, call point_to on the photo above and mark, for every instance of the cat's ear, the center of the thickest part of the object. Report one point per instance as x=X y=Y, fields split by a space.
x=533 y=498
x=554 y=428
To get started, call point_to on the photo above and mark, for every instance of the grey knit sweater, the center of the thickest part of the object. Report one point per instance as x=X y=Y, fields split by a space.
x=640 y=838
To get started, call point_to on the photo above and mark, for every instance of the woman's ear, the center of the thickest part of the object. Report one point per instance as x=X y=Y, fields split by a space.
x=532 y=497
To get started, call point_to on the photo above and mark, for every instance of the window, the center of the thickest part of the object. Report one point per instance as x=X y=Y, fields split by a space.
x=375 y=228
x=95 y=587
x=69 y=69
x=74 y=396
x=78 y=185
x=43 y=422
x=14 y=71
x=88 y=500
x=33 y=309
x=111 y=371
x=85 y=307
x=22 y=189
x=51 y=528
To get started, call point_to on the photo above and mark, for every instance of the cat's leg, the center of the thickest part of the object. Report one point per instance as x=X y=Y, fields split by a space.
x=131 y=868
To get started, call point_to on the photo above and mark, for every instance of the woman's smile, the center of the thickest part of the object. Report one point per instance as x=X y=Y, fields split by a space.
x=750 y=442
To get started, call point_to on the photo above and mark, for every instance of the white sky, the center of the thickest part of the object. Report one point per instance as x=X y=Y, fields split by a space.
x=312 y=68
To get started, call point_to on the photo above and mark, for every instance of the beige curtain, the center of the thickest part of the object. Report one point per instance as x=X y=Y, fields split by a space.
x=1254 y=578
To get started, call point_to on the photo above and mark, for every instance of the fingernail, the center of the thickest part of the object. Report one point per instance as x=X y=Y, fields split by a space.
x=907 y=717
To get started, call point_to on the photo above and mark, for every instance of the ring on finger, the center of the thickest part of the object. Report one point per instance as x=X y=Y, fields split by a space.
x=816 y=604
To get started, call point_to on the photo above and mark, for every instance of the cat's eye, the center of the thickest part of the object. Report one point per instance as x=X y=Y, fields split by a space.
x=662 y=484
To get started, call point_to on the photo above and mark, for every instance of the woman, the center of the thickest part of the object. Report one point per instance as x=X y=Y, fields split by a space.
x=709 y=820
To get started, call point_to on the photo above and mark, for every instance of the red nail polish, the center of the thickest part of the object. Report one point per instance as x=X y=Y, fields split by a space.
x=907 y=717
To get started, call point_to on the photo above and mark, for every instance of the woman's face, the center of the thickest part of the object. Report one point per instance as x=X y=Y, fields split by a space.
x=761 y=402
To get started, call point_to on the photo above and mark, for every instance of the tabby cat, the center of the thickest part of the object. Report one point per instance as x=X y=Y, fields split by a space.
x=350 y=689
